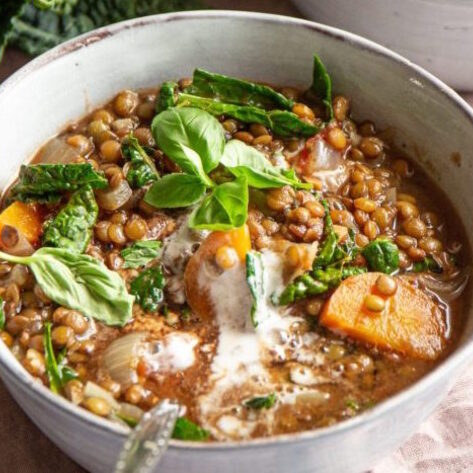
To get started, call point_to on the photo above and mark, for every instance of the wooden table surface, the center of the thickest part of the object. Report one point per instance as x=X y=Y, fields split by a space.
x=24 y=449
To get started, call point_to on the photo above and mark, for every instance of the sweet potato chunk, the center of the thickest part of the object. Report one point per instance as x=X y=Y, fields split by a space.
x=26 y=218
x=410 y=324
x=197 y=293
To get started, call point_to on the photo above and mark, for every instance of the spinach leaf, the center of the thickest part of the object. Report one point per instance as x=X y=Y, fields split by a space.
x=303 y=286
x=255 y=281
x=382 y=255
x=142 y=170
x=185 y=429
x=283 y=122
x=322 y=85
x=225 y=208
x=46 y=182
x=190 y=137
x=79 y=282
x=72 y=226
x=140 y=253
x=148 y=289
x=261 y=402
x=59 y=373
x=427 y=264
x=327 y=250
x=175 y=190
x=166 y=97
x=2 y=314
x=232 y=90
x=243 y=160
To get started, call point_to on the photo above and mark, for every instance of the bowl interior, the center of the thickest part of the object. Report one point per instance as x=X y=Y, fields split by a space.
x=429 y=120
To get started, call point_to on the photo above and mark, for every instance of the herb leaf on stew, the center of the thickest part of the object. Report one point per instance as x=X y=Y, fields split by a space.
x=185 y=429
x=79 y=282
x=148 y=289
x=142 y=169
x=382 y=255
x=244 y=160
x=72 y=226
x=261 y=402
x=225 y=208
x=190 y=137
x=255 y=281
x=322 y=85
x=175 y=190
x=140 y=253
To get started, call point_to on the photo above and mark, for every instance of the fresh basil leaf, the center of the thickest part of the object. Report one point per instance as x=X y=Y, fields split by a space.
x=59 y=374
x=382 y=255
x=79 y=282
x=148 y=289
x=261 y=402
x=225 y=208
x=46 y=182
x=232 y=90
x=322 y=85
x=282 y=122
x=185 y=429
x=166 y=97
x=140 y=253
x=255 y=281
x=72 y=226
x=2 y=314
x=190 y=137
x=175 y=190
x=244 y=160
x=142 y=170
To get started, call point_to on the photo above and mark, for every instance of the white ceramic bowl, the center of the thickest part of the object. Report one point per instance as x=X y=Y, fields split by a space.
x=429 y=118
x=437 y=34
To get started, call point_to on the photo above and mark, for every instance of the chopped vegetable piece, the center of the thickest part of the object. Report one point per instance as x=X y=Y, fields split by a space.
x=148 y=289
x=261 y=402
x=166 y=97
x=382 y=255
x=255 y=280
x=322 y=85
x=327 y=249
x=26 y=218
x=411 y=322
x=427 y=264
x=142 y=170
x=140 y=253
x=185 y=429
x=72 y=226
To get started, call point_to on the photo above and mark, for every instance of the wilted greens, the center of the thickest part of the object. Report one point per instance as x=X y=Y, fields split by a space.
x=142 y=169
x=148 y=289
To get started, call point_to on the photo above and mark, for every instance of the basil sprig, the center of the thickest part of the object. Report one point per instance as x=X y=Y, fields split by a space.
x=79 y=282
x=194 y=140
x=140 y=253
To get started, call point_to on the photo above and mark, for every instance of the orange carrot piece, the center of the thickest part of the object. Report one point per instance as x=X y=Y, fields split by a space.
x=410 y=324
x=198 y=296
x=26 y=218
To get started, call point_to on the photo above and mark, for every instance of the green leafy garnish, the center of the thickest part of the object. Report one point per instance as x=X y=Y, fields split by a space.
x=148 y=289
x=322 y=85
x=225 y=208
x=232 y=90
x=140 y=253
x=142 y=170
x=2 y=314
x=327 y=250
x=166 y=97
x=282 y=122
x=244 y=160
x=352 y=404
x=185 y=429
x=175 y=190
x=72 y=226
x=47 y=182
x=427 y=264
x=382 y=255
x=192 y=139
x=79 y=282
x=59 y=373
x=255 y=281
x=261 y=402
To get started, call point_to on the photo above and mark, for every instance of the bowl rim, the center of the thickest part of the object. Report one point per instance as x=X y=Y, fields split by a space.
x=455 y=360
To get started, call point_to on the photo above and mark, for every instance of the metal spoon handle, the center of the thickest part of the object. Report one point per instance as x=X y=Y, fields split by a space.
x=148 y=441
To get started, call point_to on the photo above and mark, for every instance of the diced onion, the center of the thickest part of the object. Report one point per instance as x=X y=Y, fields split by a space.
x=120 y=357
x=113 y=198
x=94 y=390
x=57 y=151
x=130 y=411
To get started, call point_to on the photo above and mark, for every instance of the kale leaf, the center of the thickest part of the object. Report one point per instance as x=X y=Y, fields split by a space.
x=427 y=264
x=148 y=289
x=185 y=429
x=382 y=255
x=72 y=226
x=45 y=183
x=261 y=402
x=142 y=170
